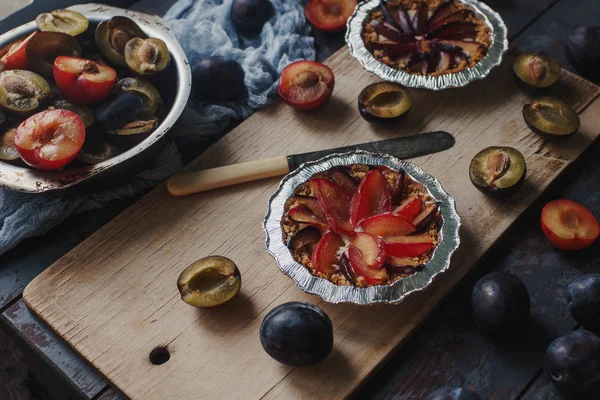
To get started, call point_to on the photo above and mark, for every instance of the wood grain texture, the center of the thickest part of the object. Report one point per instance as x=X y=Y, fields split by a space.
x=114 y=297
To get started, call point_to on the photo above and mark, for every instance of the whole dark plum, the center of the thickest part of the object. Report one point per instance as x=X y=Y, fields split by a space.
x=218 y=79
x=249 y=16
x=583 y=50
x=500 y=303
x=584 y=301
x=453 y=393
x=121 y=109
x=573 y=362
x=297 y=334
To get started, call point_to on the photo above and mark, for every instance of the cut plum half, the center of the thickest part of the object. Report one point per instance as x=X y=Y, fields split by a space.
x=334 y=200
x=408 y=246
x=371 y=248
x=329 y=15
x=303 y=214
x=569 y=225
x=83 y=81
x=16 y=56
x=409 y=208
x=306 y=85
x=325 y=255
x=372 y=197
x=387 y=225
x=359 y=268
x=50 y=139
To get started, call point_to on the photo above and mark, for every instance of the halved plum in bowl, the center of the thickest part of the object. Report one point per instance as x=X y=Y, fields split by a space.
x=50 y=139
x=83 y=81
x=306 y=85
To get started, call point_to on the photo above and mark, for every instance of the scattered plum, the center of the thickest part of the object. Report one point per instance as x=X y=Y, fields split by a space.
x=329 y=15
x=536 y=71
x=219 y=79
x=583 y=50
x=297 y=334
x=550 y=116
x=209 y=282
x=498 y=170
x=50 y=139
x=569 y=225
x=147 y=56
x=453 y=393
x=63 y=21
x=249 y=16
x=306 y=85
x=500 y=303
x=384 y=102
x=573 y=362
x=584 y=301
x=22 y=91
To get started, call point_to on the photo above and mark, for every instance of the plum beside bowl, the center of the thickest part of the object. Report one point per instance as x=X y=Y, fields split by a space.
x=495 y=52
x=175 y=90
x=330 y=292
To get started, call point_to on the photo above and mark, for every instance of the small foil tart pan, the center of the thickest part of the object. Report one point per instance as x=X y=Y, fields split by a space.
x=493 y=58
x=328 y=291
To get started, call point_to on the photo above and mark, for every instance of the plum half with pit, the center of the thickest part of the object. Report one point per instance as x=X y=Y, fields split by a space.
x=500 y=303
x=146 y=56
x=297 y=334
x=217 y=78
x=550 y=116
x=536 y=71
x=453 y=393
x=8 y=149
x=572 y=362
x=209 y=282
x=583 y=50
x=112 y=36
x=306 y=85
x=249 y=16
x=569 y=225
x=584 y=301
x=384 y=102
x=498 y=170
x=22 y=91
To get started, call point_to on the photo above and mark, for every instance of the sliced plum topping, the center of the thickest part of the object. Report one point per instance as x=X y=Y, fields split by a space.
x=360 y=268
x=468 y=48
x=346 y=269
x=371 y=198
x=301 y=213
x=422 y=220
x=337 y=176
x=458 y=16
x=335 y=202
x=371 y=248
x=441 y=13
x=398 y=188
x=325 y=256
x=419 y=21
x=388 y=34
x=408 y=246
x=410 y=208
x=387 y=225
x=456 y=30
x=313 y=204
x=305 y=238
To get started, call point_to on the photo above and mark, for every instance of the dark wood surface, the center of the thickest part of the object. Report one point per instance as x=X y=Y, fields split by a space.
x=447 y=349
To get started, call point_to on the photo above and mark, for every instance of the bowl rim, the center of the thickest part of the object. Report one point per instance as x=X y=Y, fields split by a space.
x=330 y=292
x=25 y=179
x=461 y=78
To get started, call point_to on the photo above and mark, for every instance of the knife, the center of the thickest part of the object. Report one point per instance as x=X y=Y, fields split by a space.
x=207 y=179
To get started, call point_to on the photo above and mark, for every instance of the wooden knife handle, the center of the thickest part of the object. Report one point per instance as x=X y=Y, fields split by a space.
x=207 y=179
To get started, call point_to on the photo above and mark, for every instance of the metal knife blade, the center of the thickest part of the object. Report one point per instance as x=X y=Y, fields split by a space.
x=402 y=147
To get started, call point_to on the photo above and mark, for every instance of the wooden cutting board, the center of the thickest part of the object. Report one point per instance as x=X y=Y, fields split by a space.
x=114 y=297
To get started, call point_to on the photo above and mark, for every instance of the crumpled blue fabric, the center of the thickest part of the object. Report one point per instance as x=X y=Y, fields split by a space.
x=203 y=28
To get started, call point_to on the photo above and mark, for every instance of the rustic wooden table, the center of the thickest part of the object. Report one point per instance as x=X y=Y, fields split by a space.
x=447 y=349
